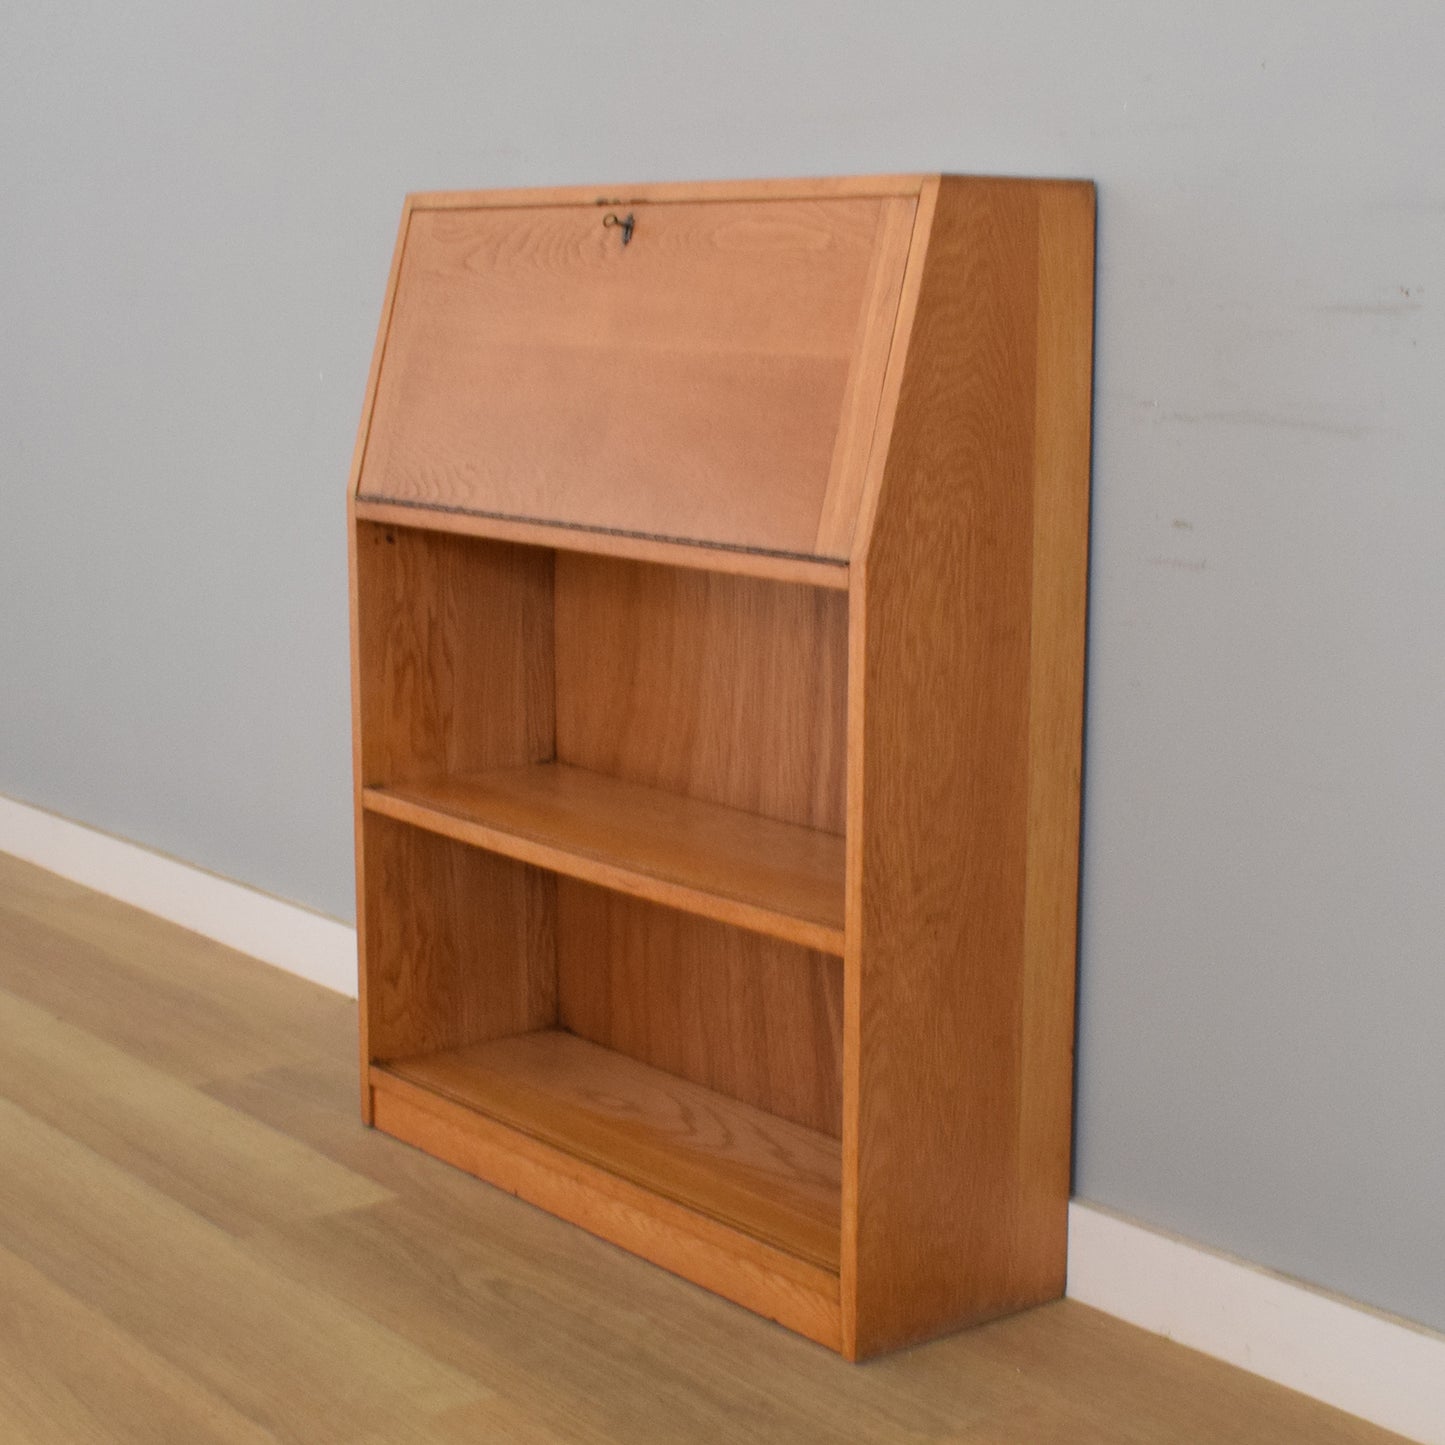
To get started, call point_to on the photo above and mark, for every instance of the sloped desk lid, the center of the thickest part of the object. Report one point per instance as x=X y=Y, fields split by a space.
x=703 y=370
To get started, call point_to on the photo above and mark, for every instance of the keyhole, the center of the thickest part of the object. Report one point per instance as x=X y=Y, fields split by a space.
x=625 y=223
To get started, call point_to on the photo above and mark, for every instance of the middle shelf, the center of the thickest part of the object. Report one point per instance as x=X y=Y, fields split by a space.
x=775 y=878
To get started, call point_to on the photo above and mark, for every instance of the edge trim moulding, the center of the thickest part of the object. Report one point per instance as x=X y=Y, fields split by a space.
x=1373 y=1365
x=1384 y=1369
x=283 y=934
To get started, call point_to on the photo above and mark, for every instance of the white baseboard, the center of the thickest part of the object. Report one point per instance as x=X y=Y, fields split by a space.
x=1385 y=1370
x=271 y=929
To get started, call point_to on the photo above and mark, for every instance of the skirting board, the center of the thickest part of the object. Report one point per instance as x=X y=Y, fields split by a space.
x=271 y=929
x=1384 y=1369
x=1380 y=1368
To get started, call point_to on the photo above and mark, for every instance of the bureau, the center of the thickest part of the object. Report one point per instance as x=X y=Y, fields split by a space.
x=718 y=564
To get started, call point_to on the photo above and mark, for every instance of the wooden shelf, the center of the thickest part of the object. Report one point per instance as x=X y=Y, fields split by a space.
x=754 y=872
x=775 y=1181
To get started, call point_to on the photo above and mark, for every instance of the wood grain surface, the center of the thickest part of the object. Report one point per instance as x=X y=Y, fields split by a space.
x=691 y=381
x=358 y=770
x=771 y=188
x=460 y=943
x=871 y=349
x=354 y=535
x=951 y=1225
x=729 y=689
x=775 y=878
x=754 y=1018
x=357 y=1292
x=772 y=1179
x=452 y=647
x=766 y=1176
x=740 y=1266
x=1063 y=366
x=738 y=561
x=455 y=654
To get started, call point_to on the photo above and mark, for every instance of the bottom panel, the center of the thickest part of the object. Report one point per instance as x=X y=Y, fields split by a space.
x=770 y=1178
x=754 y=1274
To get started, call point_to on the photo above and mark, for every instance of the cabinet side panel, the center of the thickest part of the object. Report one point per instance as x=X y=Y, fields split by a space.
x=876 y=326
x=363 y=430
x=949 y=1110
x=726 y=688
x=460 y=943
x=752 y=1017
x=357 y=815
x=454 y=654
x=1060 y=592
x=453 y=674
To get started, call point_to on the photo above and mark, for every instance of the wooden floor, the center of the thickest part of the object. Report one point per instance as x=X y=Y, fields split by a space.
x=199 y=1242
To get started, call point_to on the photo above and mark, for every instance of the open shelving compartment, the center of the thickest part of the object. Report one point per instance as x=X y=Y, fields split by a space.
x=602 y=814
x=716 y=749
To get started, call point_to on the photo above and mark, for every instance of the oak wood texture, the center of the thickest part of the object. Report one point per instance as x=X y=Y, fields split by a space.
x=209 y=1249
x=364 y=668
x=771 y=188
x=433 y=692
x=708 y=374
x=749 y=1016
x=771 y=1179
x=1060 y=475
x=719 y=610
x=775 y=878
x=818 y=572
x=735 y=1264
x=729 y=689
x=965 y=739
x=461 y=943
x=455 y=644
x=871 y=347
x=871 y=344
x=358 y=773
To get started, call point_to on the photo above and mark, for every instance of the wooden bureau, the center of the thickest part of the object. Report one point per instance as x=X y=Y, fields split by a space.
x=718 y=586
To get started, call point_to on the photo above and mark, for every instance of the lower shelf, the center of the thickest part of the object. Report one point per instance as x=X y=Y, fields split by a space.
x=732 y=1198
x=766 y=1176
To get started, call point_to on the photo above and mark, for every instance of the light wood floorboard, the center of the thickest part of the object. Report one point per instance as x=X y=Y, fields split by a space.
x=199 y=1242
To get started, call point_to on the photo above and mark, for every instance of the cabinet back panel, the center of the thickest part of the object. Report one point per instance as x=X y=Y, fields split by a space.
x=693 y=380
x=460 y=944
x=731 y=689
x=753 y=1018
x=456 y=654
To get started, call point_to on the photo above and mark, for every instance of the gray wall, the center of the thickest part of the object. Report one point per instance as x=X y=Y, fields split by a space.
x=198 y=207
